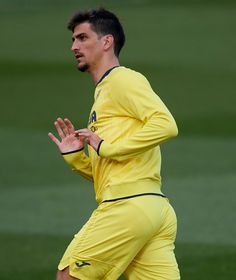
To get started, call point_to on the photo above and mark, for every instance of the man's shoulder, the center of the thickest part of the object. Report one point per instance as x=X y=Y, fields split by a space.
x=121 y=74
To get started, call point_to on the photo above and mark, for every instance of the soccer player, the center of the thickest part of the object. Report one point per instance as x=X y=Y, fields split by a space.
x=133 y=229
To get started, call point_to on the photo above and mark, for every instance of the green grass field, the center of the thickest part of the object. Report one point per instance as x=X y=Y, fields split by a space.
x=187 y=51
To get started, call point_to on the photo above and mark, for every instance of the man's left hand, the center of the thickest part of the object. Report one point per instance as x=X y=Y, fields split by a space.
x=89 y=137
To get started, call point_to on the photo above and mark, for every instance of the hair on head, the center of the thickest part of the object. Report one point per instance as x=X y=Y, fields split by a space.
x=103 y=22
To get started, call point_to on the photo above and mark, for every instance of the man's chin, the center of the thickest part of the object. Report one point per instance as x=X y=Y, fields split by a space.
x=83 y=68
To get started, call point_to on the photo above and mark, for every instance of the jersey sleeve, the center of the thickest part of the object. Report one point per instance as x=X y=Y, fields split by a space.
x=80 y=163
x=135 y=98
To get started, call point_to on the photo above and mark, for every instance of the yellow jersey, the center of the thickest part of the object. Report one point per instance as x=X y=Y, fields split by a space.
x=132 y=121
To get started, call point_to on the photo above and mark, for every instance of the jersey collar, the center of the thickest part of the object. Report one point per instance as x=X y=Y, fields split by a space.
x=106 y=74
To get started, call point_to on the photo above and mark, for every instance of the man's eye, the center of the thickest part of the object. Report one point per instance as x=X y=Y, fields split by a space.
x=83 y=37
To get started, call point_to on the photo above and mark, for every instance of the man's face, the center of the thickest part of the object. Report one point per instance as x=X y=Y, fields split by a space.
x=87 y=47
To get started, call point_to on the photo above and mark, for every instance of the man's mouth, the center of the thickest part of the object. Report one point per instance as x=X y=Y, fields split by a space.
x=78 y=56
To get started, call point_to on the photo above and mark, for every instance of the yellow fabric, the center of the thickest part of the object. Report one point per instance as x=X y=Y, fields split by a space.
x=81 y=160
x=133 y=121
x=112 y=242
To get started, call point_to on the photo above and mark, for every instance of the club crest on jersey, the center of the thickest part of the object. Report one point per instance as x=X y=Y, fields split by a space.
x=93 y=117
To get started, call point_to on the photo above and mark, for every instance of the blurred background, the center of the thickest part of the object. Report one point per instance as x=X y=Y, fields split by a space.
x=187 y=51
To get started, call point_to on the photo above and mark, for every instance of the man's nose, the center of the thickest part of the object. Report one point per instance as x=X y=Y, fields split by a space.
x=75 y=46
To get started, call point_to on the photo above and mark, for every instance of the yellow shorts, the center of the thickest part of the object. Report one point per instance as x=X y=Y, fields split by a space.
x=132 y=236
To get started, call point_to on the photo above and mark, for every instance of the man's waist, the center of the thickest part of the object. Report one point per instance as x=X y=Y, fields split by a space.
x=129 y=189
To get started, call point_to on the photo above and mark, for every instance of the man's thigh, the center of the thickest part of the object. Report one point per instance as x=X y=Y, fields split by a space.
x=64 y=275
x=106 y=244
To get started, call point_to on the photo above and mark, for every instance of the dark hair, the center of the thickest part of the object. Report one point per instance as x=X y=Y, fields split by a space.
x=103 y=22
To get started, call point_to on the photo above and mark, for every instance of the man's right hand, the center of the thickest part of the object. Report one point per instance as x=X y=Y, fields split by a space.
x=69 y=140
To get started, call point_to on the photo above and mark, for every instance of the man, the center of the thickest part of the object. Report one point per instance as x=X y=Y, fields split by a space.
x=134 y=227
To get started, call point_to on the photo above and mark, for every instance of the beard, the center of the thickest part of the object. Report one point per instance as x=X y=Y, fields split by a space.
x=83 y=68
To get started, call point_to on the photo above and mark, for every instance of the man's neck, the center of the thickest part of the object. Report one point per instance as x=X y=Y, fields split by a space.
x=102 y=68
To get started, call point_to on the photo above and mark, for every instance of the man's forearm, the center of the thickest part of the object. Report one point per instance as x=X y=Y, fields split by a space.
x=80 y=163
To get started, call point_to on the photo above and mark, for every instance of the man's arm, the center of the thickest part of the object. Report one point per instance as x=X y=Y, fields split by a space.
x=136 y=99
x=80 y=163
x=71 y=147
x=158 y=129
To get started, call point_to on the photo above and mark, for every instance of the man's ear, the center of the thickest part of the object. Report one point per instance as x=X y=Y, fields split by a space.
x=108 y=42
